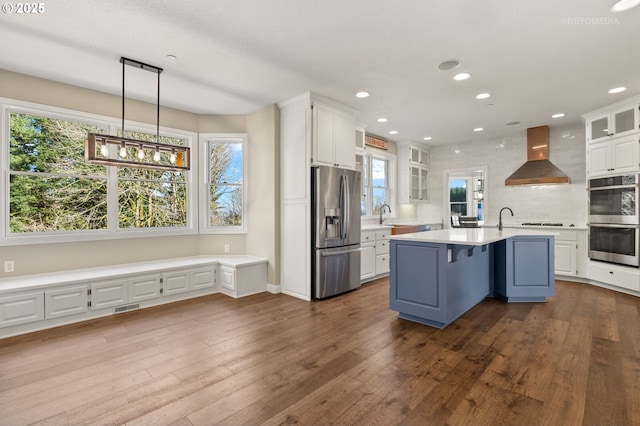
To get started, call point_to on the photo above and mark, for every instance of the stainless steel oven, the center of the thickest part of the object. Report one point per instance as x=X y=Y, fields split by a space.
x=615 y=243
x=614 y=200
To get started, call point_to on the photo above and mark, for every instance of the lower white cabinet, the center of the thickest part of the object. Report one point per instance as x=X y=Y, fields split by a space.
x=175 y=282
x=110 y=293
x=61 y=302
x=227 y=279
x=368 y=261
x=144 y=288
x=565 y=262
x=21 y=308
x=374 y=259
x=31 y=303
x=243 y=280
x=617 y=275
x=382 y=252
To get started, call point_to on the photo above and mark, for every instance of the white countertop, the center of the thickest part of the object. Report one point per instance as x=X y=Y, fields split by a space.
x=467 y=236
x=374 y=227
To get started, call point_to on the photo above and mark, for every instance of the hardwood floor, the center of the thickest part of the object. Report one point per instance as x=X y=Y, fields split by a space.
x=273 y=359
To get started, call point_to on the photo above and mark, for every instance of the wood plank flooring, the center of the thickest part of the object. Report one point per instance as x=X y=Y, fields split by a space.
x=273 y=359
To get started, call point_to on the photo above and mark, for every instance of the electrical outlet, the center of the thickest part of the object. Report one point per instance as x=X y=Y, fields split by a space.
x=226 y=248
x=9 y=266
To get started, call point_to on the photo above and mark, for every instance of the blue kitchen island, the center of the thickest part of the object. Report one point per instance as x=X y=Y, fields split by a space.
x=437 y=276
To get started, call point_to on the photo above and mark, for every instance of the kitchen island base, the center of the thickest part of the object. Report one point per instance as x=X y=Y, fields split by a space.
x=434 y=283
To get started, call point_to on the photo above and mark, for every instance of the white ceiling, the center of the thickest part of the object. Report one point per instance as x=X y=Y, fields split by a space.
x=536 y=57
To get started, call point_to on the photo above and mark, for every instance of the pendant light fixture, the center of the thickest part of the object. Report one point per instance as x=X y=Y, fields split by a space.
x=148 y=155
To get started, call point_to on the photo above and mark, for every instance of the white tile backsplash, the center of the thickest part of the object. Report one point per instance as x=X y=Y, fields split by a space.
x=548 y=203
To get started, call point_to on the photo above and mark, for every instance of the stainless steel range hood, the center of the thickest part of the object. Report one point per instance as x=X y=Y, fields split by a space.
x=538 y=169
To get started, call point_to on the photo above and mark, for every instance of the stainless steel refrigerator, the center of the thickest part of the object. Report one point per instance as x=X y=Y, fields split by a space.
x=335 y=228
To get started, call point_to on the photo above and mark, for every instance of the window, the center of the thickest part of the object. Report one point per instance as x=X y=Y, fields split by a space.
x=52 y=195
x=466 y=194
x=377 y=183
x=151 y=198
x=224 y=196
x=458 y=197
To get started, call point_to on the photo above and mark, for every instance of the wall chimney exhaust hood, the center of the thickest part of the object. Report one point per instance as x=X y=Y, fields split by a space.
x=538 y=169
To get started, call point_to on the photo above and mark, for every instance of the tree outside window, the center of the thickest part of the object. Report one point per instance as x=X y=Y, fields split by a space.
x=226 y=194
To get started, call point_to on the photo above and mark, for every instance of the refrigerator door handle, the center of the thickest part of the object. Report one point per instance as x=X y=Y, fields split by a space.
x=346 y=205
x=338 y=253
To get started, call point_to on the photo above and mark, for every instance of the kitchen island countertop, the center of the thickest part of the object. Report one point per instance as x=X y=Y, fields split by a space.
x=468 y=236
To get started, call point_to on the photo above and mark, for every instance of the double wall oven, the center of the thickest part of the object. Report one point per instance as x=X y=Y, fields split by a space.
x=614 y=220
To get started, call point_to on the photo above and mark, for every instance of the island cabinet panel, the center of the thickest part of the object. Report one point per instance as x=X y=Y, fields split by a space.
x=434 y=284
x=524 y=268
x=416 y=277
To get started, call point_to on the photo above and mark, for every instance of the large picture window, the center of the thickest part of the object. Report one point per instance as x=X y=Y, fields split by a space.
x=224 y=197
x=52 y=195
x=377 y=183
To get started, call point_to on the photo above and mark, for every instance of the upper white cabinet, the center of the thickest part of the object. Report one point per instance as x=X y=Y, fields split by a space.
x=620 y=121
x=613 y=138
x=615 y=156
x=333 y=137
x=413 y=174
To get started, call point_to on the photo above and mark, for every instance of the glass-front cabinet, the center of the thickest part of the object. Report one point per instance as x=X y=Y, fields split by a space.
x=413 y=174
x=619 y=122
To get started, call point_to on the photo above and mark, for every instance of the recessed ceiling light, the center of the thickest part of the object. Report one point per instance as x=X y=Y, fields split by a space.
x=362 y=94
x=623 y=5
x=617 y=89
x=558 y=115
x=428 y=138
x=478 y=129
x=483 y=96
x=449 y=65
x=513 y=123
x=461 y=76
x=171 y=58
x=393 y=132
x=381 y=120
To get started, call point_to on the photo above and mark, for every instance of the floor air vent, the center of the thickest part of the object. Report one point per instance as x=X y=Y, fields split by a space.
x=127 y=307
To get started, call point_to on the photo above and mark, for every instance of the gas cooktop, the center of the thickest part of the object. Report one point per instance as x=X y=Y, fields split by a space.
x=541 y=224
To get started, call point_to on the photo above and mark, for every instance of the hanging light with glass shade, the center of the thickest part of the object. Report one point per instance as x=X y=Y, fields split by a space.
x=148 y=155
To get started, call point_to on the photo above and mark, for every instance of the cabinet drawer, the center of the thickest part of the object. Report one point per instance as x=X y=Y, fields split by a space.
x=175 y=283
x=367 y=236
x=203 y=278
x=144 y=288
x=107 y=294
x=382 y=247
x=383 y=235
x=228 y=278
x=21 y=309
x=382 y=264
x=619 y=276
x=66 y=301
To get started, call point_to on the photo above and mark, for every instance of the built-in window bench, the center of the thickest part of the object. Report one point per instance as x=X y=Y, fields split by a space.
x=35 y=302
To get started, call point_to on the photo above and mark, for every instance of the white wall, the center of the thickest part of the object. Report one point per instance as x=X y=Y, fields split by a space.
x=561 y=203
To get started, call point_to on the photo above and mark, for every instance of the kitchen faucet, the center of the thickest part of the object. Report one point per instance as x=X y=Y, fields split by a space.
x=500 y=217
x=381 y=211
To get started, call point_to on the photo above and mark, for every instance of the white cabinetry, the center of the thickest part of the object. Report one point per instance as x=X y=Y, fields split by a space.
x=619 y=276
x=314 y=130
x=333 y=132
x=109 y=293
x=382 y=252
x=616 y=121
x=21 y=308
x=565 y=262
x=65 y=301
x=413 y=174
x=374 y=259
x=144 y=288
x=615 y=156
x=613 y=139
